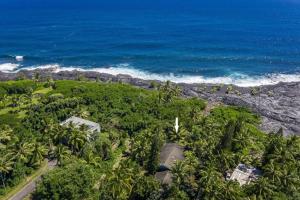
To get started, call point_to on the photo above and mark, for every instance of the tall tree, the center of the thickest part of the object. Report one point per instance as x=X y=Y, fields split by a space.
x=5 y=136
x=61 y=153
x=6 y=164
x=231 y=190
x=152 y=163
x=226 y=142
x=38 y=153
x=263 y=188
x=119 y=184
x=22 y=151
x=76 y=140
x=272 y=172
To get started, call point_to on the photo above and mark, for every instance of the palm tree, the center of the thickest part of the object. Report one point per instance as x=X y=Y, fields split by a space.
x=168 y=91
x=241 y=140
x=226 y=159
x=36 y=77
x=6 y=164
x=25 y=99
x=3 y=100
x=119 y=184
x=293 y=144
x=282 y=155
x=61 y=153
x=289 y=180
x=91 y=159
x=58 y=134
x=194 y=113
x=38 y=153
x=22 y=151
x=263 y=188
x=152 y=160
x=15 y=101
x=209 y=183
x=176 y=91
x=160 y=95
x=50 y=82
x=272 y=172
x=5 y=136
x=179 y=173
x=180 y=136
x=231 y=191
x=83 y=113
x=77 y=140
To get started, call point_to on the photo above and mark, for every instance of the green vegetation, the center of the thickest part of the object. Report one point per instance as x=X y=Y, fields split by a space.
x=254 y=91
x=13 y=190
x=120 y=163
x=229 y=89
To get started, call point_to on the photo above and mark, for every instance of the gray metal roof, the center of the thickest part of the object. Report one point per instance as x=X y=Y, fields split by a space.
x=165 y=177
x=78 y=122
x=170 y=153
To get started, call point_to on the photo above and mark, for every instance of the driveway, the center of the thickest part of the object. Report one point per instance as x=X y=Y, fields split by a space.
x=30 y=187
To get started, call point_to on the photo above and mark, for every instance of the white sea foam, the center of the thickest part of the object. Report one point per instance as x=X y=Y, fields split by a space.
x=8 y=67
x=54 y=67
x=19 y=58
x=235 y=78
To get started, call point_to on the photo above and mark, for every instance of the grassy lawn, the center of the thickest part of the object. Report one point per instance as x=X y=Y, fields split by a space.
x=20 y=186
x=43 y=91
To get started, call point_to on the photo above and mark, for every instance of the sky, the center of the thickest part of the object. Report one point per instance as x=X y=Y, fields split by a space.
x=143 y=4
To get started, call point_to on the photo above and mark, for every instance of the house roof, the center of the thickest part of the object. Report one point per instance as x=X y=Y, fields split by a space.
x=245 y=174
x=170 y=153
x=165 y=177
x=77 y=122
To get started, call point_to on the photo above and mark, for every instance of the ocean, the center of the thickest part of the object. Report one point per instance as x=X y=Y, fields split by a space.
x=245 y=46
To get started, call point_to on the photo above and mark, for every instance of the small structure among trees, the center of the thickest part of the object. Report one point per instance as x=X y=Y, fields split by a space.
x=244 y=174
x=89 y=126
x=169 y=155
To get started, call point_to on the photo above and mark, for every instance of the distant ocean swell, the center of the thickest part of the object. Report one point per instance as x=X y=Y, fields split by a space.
x=235 y=78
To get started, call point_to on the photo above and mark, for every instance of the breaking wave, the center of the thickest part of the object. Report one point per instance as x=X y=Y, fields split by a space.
x=8 y=67
x=235 y=78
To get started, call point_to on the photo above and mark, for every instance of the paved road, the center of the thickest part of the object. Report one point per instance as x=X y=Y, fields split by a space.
x=30 y=187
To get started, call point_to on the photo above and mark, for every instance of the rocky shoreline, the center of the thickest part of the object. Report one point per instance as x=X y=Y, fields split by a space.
x=279 y=105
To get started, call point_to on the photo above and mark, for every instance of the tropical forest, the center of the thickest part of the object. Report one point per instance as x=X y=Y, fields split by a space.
x=121 y=161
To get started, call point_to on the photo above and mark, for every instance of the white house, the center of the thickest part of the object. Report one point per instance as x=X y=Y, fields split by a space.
x=244 y=174
x=77 y=122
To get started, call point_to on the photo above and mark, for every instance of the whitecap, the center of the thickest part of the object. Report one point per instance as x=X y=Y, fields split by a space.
x=8 y=67
x=19 y=58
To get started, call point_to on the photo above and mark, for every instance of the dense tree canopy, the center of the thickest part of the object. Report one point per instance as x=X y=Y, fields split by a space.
x=120 y=162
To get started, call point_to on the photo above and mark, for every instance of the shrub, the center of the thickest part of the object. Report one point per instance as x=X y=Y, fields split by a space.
x=229 y=89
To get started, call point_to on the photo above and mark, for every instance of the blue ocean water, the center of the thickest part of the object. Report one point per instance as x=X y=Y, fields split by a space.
x=242 y=45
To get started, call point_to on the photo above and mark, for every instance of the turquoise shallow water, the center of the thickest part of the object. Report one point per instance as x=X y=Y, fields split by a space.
x=243 y=45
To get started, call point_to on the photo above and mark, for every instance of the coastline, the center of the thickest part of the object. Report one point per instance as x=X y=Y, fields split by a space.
x=233 y=78
x=278 y=104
